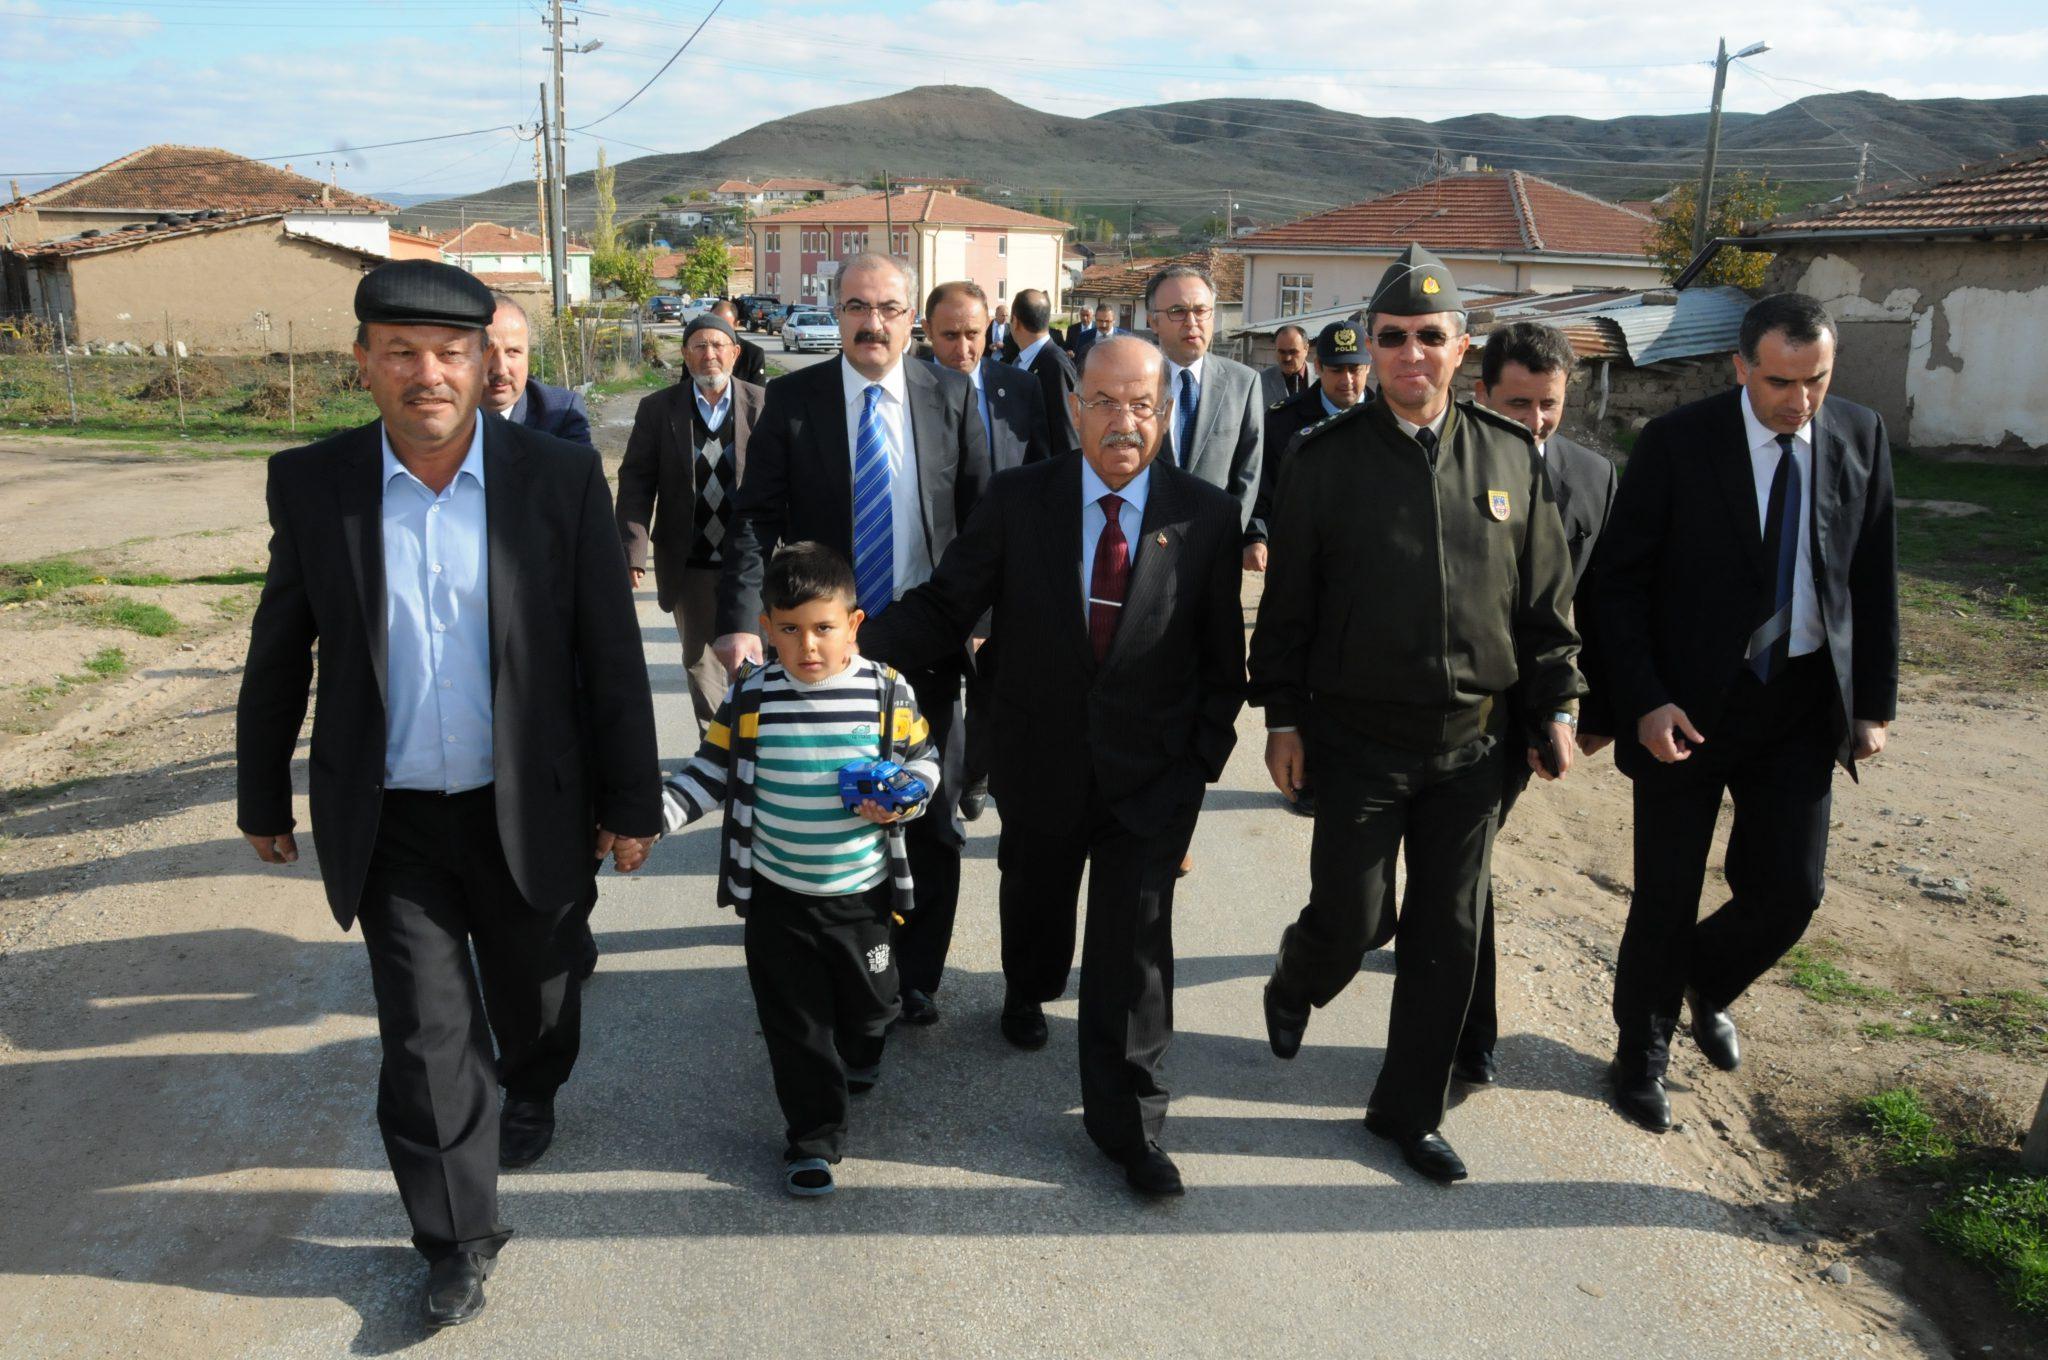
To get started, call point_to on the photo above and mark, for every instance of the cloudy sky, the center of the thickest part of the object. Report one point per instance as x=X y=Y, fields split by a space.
x=325 y=82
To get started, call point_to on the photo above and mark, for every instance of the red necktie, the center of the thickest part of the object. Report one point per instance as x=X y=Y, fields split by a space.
x=1111 y=575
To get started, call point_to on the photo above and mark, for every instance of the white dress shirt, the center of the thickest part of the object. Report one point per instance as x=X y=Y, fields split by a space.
x=906 y=502
x=1131 y=516
x=1025 y=356
x=1409 y=427
x=1764 y=452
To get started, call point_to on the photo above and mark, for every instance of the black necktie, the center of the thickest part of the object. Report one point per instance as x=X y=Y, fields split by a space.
x=1427 y=438
x=1770 y=645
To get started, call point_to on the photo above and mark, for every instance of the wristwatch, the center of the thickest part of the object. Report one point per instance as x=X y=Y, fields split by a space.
x=1568 y=719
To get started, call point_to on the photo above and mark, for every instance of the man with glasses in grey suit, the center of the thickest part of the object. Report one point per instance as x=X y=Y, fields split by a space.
x=1217 y=427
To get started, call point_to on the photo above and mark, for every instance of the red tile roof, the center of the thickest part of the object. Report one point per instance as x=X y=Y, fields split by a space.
x=737 y=186
x=1486 y=210
x=167 y=178
x=799 y=186
x=488 y=238
x=925 y=205
x=154 y=232
x=2006 y=193
x=1128 y=280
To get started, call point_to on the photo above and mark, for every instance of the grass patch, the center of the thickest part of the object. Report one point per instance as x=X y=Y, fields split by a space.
x=136 y=616
x=1812 y=969
x=21 y=582
x=233 y=576
x=1905 y=1128
x=643 y=381
x=2008 y=1021
x=1974 y=588
x=107 y=662
x=2000 y=1223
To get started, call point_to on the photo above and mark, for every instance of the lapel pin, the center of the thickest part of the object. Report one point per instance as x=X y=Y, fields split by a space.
x=1161 y=540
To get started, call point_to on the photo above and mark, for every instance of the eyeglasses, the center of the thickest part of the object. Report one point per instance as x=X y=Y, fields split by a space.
x=1393 y=337
x=860 y=311
x=1181 y=315
x=1140 y=410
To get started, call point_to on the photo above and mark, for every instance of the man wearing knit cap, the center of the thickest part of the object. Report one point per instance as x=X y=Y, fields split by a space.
x=1418 y=569
x=683 y=463
x=485 y=729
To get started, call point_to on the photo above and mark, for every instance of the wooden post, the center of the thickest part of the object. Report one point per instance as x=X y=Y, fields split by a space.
x=291 y=377
x=177 y=372
x=64 y=348
x=2035 y=1155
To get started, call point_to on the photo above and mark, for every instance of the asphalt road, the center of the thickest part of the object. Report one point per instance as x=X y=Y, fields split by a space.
x=191 y=1167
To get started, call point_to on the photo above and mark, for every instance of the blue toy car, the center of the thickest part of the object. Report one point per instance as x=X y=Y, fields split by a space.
x=891 y=787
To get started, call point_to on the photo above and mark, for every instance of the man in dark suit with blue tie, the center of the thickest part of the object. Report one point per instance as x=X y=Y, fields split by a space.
x=1080 y=339
x=1745 y=633
x=524 y=400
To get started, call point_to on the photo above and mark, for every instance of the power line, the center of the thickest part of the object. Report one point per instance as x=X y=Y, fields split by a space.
x=664 y=67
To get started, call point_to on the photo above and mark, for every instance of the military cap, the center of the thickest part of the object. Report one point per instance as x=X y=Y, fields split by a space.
x=710 y=321
x=1342 y=343
x=424 y=293
x=1416 y=284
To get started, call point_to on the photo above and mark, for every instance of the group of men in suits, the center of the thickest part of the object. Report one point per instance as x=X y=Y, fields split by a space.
x=485 y=727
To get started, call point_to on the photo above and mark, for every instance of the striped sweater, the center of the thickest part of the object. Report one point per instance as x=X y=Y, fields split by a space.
x=772 y=760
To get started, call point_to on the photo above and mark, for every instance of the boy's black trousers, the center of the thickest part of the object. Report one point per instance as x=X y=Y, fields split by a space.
x=825 y=988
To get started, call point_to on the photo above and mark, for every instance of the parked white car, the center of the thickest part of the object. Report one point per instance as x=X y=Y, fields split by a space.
x=810 y=330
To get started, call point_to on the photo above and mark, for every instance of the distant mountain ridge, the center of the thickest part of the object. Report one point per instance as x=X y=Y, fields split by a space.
x=1280 y=159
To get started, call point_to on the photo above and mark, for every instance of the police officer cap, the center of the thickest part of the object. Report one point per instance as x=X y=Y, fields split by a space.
x=1342 y=343
x=1416 y=284
x=710 y=321
x=424 y=293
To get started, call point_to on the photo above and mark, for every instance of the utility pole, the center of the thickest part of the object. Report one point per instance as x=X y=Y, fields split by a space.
x=541 y=175
x=1863 y=167
x=1706 y=194
x=558 y=174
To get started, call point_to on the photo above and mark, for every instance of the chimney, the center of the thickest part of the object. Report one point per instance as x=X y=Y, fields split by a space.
x=1468 y=164
x=14 y=188
x=326 y=196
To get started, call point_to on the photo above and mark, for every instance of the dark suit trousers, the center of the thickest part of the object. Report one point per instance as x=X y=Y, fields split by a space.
x=933 y=841
x=438 y=887
x=825 y=1009
x=1373 y=802
x=1482 y=1017
x=1126 y=955
x=1773 y=753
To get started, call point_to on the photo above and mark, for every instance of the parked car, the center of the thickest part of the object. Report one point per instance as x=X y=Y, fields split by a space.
x=810 y=330
x=665 y=307
x=752 y=308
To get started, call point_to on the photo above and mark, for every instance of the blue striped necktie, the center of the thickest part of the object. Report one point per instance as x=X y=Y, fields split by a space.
x=1185 y=427
x=874 y=539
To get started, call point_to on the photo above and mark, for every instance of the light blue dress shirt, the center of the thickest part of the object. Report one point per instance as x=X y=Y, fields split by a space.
x=437 y=628
x=1131 y=516
x=714 y=414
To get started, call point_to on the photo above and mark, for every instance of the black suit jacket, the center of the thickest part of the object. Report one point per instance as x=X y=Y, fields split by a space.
x=1017 y=413
x=1080 y=339
x=572 y=719
x=799 y=480
x=658 y=479
x=753 y=364
x=1584 y=483
x=1156 y=719
x=558 y=411
x=1056 y=377
x=1680 y=581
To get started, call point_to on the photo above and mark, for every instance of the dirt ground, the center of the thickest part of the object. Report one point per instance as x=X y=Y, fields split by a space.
x=1956 y=809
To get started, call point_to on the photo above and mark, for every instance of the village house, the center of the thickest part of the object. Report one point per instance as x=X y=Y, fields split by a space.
x=940 y=236
x=1122 y=286
x=1501 y=230
x=1941 y=293
x=485 y=248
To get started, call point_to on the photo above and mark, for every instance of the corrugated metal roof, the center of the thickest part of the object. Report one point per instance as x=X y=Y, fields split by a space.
x=1702 y=321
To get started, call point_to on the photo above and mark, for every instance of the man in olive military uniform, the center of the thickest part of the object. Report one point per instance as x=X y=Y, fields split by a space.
x=1418 y=569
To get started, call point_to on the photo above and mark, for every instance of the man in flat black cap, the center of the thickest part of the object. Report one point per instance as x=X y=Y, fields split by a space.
x=684 y=461
x=1418 y=570
x=484 y=730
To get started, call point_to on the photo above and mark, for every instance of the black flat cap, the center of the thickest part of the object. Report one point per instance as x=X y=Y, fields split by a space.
x=710 y=321
x=1342 y=343
x=1416 y=284
x=424 y=293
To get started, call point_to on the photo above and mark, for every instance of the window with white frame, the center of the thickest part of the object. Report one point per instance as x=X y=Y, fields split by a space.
x=1002 y=288
x=1002 y=245
x=1297 y=293
x=774 y=240
x=899 y=243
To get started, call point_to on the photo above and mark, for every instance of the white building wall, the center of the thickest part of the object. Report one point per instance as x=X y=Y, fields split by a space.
x=354 y=231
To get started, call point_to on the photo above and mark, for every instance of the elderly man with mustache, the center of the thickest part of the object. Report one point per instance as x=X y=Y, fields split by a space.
x=1114 y=584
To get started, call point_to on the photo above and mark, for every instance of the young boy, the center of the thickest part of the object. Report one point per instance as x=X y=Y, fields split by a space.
x=817 y=885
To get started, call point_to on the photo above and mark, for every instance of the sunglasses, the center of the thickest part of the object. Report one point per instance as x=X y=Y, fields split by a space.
x=1393 y=337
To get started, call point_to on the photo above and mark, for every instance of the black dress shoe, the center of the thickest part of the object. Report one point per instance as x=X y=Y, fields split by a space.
x=525 y=1128
x=455 y=1288
x=1152 y=1173
x=1715 y=1033
x=974 y=801
x=587 y=965
x=1024 y=1023
x=1476 y=1068
x=919 y=1008
x=1640 y=1097
x=1423 y=1149
x=1284 y=1025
